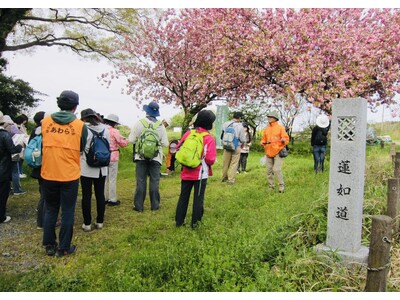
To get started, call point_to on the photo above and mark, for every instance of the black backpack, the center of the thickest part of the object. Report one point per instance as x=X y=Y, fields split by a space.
x=320 y=137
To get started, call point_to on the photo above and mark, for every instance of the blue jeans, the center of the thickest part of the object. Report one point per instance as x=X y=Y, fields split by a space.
x=319 y=157
x=15 y=177
x=59 y=194
x=146 y=168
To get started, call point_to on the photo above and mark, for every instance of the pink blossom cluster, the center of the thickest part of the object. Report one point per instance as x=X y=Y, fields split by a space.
x=188 y=57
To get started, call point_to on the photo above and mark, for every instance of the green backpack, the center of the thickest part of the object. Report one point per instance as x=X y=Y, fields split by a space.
x=148 y=145
x=191 y=151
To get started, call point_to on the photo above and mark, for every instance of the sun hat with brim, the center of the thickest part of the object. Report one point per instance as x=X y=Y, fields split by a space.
x=152 y=109
x=112 y=118
x=273 y=114
x=88 y=112
x=322 y=121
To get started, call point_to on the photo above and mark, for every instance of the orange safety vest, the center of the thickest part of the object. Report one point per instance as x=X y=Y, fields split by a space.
x=272 y=135
x=61 y=150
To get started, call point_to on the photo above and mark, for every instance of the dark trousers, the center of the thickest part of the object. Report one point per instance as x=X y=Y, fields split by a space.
x=4 y=193
x=40 y=206
x=243 y=161
x=198 y=201
x=319 y=157
x=151 y=169
x=98 y=184
x=59 y=194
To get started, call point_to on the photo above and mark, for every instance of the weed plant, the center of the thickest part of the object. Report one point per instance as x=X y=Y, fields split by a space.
x=250 y=239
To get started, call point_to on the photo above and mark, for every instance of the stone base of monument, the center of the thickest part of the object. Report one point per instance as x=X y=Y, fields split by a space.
x=358 y=257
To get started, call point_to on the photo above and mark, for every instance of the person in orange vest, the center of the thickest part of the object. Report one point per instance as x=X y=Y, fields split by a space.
x=63 y=139
x=274 y=139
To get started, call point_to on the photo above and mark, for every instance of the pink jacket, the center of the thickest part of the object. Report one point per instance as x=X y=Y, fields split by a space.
x=210 y=155
x=116 y=139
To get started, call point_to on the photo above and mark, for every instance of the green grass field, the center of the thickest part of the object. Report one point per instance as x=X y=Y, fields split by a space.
x=250 y=239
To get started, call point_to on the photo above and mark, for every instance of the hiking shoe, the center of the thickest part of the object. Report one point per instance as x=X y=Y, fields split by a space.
x=113 y=203
x=65 y=252
x=22 y=192
x=138 y=210
x=87 y=228
x=51 y=250
x=98 y=225
x=7 y=219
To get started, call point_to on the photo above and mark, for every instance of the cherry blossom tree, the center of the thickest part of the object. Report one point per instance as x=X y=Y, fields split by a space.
x=176 y=58
x=189 y=57
x=322 y=54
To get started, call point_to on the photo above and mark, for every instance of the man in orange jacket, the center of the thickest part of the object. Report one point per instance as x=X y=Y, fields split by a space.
x=274 y=139
x=63 y=139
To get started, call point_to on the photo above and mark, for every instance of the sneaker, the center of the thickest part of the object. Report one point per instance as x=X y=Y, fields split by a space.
x=113 y=203
x=98 y=225
x=7 y=219
x=63 y=252
x=51 y=250
x=22 y=175
x=39 y=227
x=19 y=193
x=87 y=228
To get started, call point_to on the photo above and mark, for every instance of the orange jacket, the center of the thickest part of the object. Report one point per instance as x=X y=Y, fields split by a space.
x=272 y=139
x=61 y=150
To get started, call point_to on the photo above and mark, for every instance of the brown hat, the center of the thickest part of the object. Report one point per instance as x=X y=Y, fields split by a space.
x=87 y=113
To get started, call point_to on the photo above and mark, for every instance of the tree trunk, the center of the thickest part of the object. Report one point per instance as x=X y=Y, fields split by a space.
x=8 y=19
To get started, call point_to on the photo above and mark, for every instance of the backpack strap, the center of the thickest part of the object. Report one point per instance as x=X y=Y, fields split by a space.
x=98 y=134
x=147 y=124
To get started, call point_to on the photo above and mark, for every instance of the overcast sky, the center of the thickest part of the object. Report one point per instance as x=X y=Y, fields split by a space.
x=51 y=71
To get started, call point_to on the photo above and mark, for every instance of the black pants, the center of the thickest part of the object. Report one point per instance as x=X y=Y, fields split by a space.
x=243 y=161
x=198 y=201
x=59 y=195
x=4 y=193
x=98 y=184
x=40 y=207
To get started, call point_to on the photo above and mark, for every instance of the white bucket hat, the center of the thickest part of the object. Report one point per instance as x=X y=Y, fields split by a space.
x=322 y=121
x=112 y=118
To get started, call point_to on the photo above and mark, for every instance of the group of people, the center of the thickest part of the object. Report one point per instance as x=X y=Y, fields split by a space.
x=66 y=140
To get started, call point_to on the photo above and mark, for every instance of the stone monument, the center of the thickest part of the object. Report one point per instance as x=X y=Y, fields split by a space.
x=346 y=180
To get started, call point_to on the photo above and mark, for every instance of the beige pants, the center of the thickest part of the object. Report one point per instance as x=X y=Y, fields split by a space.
x=274 y=167
x=110 y=186
x=230 y=163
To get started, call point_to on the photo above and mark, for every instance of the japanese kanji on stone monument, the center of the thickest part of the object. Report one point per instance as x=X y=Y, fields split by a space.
x=346 y=180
